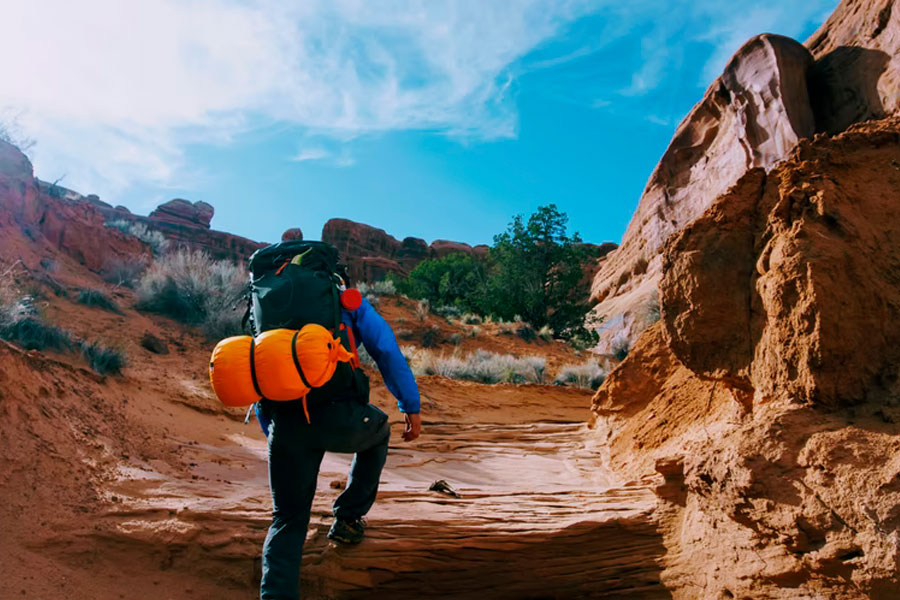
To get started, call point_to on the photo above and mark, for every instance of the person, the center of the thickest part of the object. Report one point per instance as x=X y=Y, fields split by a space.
x=297 y=442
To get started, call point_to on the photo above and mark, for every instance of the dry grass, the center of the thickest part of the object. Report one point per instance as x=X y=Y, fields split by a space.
x=194 y=289
x=589 y=375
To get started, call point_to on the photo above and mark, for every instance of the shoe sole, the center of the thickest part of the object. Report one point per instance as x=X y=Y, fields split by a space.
x=342 y=540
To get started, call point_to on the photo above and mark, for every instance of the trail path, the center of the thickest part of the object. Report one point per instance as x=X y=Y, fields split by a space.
x=537 y=516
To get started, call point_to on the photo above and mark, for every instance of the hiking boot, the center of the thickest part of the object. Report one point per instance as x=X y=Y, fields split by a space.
x=347 y=531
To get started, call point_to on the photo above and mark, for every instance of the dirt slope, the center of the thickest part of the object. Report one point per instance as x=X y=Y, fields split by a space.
x=143 y=486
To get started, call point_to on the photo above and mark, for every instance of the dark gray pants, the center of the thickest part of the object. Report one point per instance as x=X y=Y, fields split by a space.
x=295 y=453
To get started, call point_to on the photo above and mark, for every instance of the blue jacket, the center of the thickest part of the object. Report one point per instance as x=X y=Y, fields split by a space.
x=370 y=329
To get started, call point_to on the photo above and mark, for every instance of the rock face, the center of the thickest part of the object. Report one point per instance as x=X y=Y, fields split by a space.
x=751 y=116
x=767 y=398
x=73 y=227
x=184 y=212
x=371 y=253
x=858 y=64
x=773 y=93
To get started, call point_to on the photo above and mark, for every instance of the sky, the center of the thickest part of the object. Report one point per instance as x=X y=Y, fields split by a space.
x=429 y=118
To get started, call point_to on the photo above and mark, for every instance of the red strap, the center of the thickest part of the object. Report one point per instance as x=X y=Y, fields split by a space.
x=355 y=362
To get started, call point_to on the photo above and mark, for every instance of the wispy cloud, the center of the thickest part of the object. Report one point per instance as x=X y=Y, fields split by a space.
x=114 y=91
x=311 y=154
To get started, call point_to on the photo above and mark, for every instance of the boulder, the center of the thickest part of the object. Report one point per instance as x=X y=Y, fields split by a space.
x=857 y=71
x=751 y=116
x=772 y=94
x=294 y=233
x=442 y=248
x=184 y=212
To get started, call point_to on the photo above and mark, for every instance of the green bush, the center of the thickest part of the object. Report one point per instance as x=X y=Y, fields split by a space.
x=98 y=299
x=527 y=333
x=192 y=288
x=455 y=280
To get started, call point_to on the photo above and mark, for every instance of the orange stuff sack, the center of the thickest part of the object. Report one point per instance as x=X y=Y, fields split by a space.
x=229 y=372
x=287 y=364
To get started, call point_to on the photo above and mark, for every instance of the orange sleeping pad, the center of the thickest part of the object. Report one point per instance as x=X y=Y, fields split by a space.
x=281 y=364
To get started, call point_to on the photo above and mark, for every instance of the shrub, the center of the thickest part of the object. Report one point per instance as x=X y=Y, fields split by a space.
x=475 y=331
x=481 y=366
x=456 y=279
x=155 y=239
x=34 y=334
x=192 y=288
x=422 y=308
x=527 y=333
x=404 y=334
x=620 y=348
x=455 y=339
x=103 y=359
x=448 y=311
x=471 y=319
x=125 y=272
x=590 y=375
x=98 y=299
x=386 y=287
x=366 y=358
x=431 y=337
x=545 y=333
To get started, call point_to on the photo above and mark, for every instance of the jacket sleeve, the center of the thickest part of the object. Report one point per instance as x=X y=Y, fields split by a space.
x=376 y=335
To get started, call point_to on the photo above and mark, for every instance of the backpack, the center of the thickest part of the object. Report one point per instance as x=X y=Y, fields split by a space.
x=295 y=283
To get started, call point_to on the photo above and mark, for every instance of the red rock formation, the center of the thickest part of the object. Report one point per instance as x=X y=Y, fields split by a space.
x=752 y=116
x=767 y=398
x=187 y=224
x=294 y=233
x=184 y=212
x=372 y=253
x=857 y=73
x=73 y=227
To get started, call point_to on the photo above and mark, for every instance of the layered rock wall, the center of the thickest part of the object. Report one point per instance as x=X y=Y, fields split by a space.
x=773 y=93
x=371 y=253
x=767 y=398
x=75 y=228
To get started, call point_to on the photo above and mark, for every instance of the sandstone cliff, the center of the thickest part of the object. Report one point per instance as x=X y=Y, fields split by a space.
x=773 y=93
x=767 y=398
x=371 y=253
x=75 y=228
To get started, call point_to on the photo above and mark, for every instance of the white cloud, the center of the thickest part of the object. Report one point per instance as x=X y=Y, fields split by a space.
x=114 y=91
x=311 y=154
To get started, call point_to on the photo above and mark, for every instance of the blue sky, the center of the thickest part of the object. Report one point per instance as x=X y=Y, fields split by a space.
x=432 y=119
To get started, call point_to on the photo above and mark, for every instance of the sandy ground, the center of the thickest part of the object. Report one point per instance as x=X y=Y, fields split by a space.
x=144 y=486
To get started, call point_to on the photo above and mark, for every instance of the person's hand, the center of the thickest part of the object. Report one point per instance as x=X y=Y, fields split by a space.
x=413 y=427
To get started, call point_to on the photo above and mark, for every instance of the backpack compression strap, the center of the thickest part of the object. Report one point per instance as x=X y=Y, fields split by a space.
x=300 y=372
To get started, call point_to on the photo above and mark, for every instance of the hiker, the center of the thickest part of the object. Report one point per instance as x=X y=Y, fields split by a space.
x=336 y=417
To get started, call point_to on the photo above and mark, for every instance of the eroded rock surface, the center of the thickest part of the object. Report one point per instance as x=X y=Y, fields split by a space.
x=773 y=93
x=372 y=253
x=767 y=398
x=751 y=116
